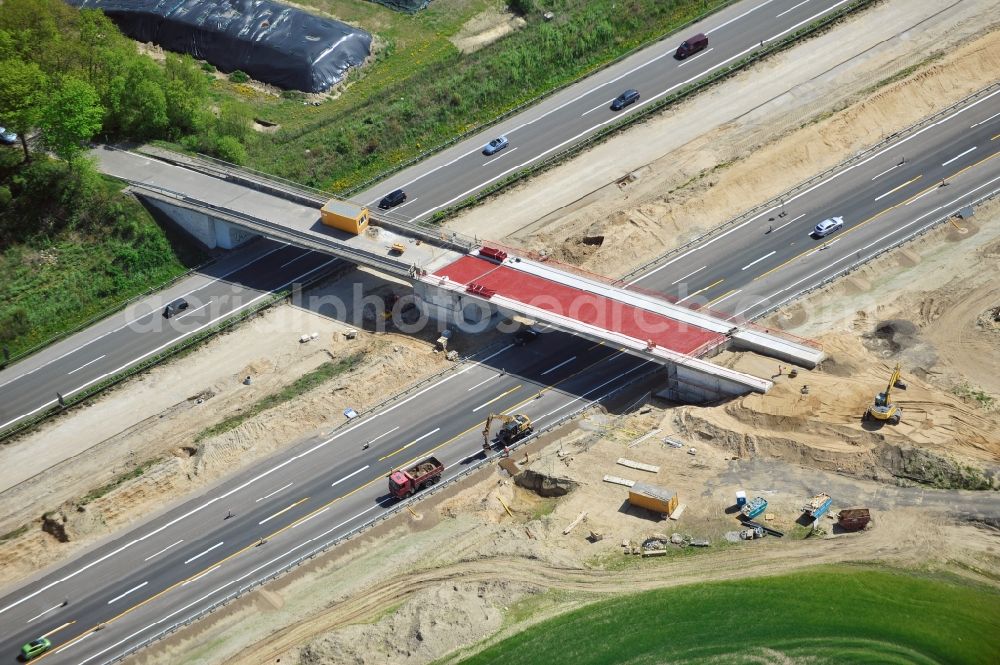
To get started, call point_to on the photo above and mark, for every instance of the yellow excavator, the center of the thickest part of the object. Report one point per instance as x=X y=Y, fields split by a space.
x=882 y=408
x=515 y=427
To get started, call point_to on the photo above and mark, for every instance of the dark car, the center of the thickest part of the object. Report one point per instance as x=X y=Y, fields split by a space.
x=624 y=99
x=178 y=305
x=691 y=45
x=525 y=335
x=392 y=199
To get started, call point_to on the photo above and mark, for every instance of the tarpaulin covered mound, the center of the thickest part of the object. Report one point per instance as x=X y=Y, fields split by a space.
x=273 y=43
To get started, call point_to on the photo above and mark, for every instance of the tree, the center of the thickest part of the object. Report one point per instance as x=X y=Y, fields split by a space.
x=71 y=117
x=22 y=86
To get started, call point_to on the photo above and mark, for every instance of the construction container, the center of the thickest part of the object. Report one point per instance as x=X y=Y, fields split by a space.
x=651 y=497
x=345 y=216
x=854 y=519
x=741 y=498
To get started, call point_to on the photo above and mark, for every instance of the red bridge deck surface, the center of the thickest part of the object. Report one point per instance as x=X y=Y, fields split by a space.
x=580 y=305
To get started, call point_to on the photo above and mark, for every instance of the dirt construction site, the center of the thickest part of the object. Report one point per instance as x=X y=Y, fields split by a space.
x=551 y=528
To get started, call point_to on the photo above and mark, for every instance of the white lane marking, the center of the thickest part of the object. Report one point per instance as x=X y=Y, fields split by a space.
x=198 y=556
x=416 y=440
x=135 y=588
x=384 y=434
x=897 y=188
x=169 y=343
x=126 y=325
x=819 y=184
x=192 y=311
x=507 y=152
x=961 y=154
x=186 y=607
x=565 y=362
x=705 y=52
x=920 y=196
x=716 y=302
x=316 y=514
x=602 y=105
x=406 y=204
x=107 y=649
x=823 y=247
x=787 y=223
x=888 y=170
x=616 y=378
x=164 y=550
x=301 y=256
x=983 y=122
x=198 y=577
x=364 y=468
x=479 y=363
x=681 y=279
x=498 y=397
x=753 y=263
x=85 y=364
x=737 y=18
x=487 y=380
x=268 y=496
x=39 y=616
x=748 y=308
x=348 y=521
x=283 y=510
x=265 y=565
x=790 y=9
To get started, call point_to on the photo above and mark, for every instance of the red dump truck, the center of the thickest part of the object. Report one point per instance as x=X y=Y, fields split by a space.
x=406 y=482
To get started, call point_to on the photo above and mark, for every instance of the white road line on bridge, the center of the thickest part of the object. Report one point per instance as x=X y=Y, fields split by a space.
x=983 y=122
x=888 y=170
x=602 y=105
x=85 y=365
x=268 y=496
x=565 y=362
x=696 y=57
x=300 y=256
x=899 y=187
x=163 y=550
x=364 y=468
x=487 y=163
x=126 y=325
x=135 y=588
x=283 y=511
x=687 y=275
x=820 y=184
x=959 y=155
x=198 y=556
x=419 y=438
x=39 y=616
x=753 y=263
x=790 y=9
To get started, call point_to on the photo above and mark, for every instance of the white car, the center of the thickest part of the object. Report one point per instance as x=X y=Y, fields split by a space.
x=8 y=138
x=828 y=226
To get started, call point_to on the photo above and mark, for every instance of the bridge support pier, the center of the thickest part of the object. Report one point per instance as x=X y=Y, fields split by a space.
x=208 y=230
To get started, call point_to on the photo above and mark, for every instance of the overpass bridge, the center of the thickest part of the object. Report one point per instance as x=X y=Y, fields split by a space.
x=457 y=280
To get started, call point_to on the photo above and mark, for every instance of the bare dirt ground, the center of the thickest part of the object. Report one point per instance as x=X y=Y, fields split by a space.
x=159 y=415
x=669 y=179
x=485 y=28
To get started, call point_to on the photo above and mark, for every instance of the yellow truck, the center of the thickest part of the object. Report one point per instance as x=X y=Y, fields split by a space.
x=345 y=216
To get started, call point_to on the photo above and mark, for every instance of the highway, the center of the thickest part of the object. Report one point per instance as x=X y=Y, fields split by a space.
x=33 y=385
x=257 y=521
x=580 y=110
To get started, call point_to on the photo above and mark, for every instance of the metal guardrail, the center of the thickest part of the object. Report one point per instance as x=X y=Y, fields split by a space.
x=390 y=512
x=862 y=261
x=776 y=202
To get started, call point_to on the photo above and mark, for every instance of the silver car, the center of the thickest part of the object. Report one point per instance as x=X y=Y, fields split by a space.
x=496 y=145
x=828 y=226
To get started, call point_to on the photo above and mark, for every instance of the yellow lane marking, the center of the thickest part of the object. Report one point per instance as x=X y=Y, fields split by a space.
x=56 y=630
x=283 y=510
x=701 y=290
x=896 y=189
x=877 y=215
x=419 y=438
x=724 y=295
x=498 y=397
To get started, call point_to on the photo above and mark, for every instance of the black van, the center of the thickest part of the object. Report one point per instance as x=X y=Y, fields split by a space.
x=691 y=45
x=178 y=305
x=392 y=199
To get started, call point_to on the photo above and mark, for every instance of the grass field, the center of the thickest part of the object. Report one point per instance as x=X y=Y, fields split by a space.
x=421 y=91
x=840 y=614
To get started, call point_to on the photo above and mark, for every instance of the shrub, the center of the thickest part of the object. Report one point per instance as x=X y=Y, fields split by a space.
x=239 y=77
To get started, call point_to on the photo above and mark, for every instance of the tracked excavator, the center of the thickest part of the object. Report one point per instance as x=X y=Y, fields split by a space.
x=515 y=427
x=883 y=409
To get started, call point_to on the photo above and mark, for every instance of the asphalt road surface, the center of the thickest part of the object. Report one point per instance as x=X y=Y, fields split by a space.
x=575 y=113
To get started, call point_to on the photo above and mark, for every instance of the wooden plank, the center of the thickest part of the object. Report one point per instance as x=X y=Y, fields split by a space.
x=678 y=511
x=582 y=516
x=617 y=480
x=632 y=464
x=644 y=437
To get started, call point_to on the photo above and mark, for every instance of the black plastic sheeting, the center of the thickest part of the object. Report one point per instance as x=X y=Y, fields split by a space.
x=273 y=43
x=408 y=6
